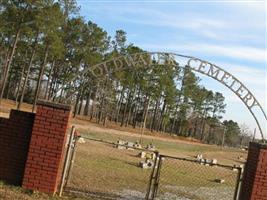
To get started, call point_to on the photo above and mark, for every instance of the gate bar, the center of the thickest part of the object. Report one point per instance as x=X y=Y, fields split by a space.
x=67 y=159
x=152 y=176
x=237 y=186
x=156 y=183
x=72 y=157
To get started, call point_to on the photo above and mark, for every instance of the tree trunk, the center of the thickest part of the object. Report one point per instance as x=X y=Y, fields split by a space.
x=40 y=76
x=145 y=118
x=130 y=109
x=81 y=102
x=100 y=113
x=4 y=67
x=175 y=118
x=76 y=105
x=154 y=116
x=87 y=104
x=52 y=84
x=9 y=64
x=125 y=108
x=7 y=89
x=161 y=114
x=119 y=105
x=27 y=77
x=93 y=106
x=20 y=82
x=48 y=80
x=136 y=108
x=203 y=122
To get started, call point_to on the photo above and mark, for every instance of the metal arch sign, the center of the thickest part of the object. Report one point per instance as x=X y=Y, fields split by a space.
x=120 y=63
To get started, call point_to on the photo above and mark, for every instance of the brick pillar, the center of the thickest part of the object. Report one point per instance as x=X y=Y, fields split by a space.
x=15 y=135
x=43 y=166
x=254 y=184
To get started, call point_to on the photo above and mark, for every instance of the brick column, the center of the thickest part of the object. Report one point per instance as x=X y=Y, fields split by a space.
x=15 y=135
x=254 y=184
x=43 y=166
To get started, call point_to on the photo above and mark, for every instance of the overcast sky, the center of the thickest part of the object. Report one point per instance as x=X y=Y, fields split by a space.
x=230 y=34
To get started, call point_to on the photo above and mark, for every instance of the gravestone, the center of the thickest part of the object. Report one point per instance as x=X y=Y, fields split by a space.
x=219 y=180
x=147 y=164
x=120 y=144
x=137 y=145
x=147 y=155
x=130 y=145
x=199 y=157
x=151 y=147
x=81 y=140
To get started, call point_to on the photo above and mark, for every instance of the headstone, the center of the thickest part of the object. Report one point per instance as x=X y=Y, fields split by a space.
x=137 y=145
x=142 y=154
x=151 y=147
x=130 y=145
x=147 y=155
x=207 y=161
x=143 y=165
x=147 y=164
x=120 y=144
x=150 y=163
x=199 y=157
x=150 y=156
x=240 y=158
x=219 y=180
x=214 y=161
x=81 y=140
x=202 y=161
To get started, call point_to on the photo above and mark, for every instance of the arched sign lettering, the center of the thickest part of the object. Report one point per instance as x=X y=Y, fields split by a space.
x=108 y=67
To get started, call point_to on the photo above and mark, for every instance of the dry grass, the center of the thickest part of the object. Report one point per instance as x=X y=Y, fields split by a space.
x=102 y=169
x=8 y=192
x=83 y=120
x=166 y=145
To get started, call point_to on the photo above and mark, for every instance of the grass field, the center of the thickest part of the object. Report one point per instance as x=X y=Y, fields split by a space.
x=166 y=144
x=104 y=170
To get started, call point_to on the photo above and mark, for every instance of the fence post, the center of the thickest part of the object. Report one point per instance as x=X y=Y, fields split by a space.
x=156 y=183
x=67 y=158
x=237 y=186
x=152 y=176
x=72 y=157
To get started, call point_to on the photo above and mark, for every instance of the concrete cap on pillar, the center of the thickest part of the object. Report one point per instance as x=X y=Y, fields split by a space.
x=258 y=145
x=54 y=105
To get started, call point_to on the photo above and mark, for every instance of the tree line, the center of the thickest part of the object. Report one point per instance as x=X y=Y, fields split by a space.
x=45 y=43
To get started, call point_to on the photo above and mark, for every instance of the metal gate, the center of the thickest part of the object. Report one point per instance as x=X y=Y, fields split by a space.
x=102 y=170
x=107 y=170
x=187 y=179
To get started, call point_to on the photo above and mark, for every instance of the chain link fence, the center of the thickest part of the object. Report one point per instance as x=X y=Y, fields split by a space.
x=186 y=179
x=107 y=170
x=123 y=170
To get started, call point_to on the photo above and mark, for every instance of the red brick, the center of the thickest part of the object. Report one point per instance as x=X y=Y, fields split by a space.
x=15 y=134
x=49 y=135
x=255 y=174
